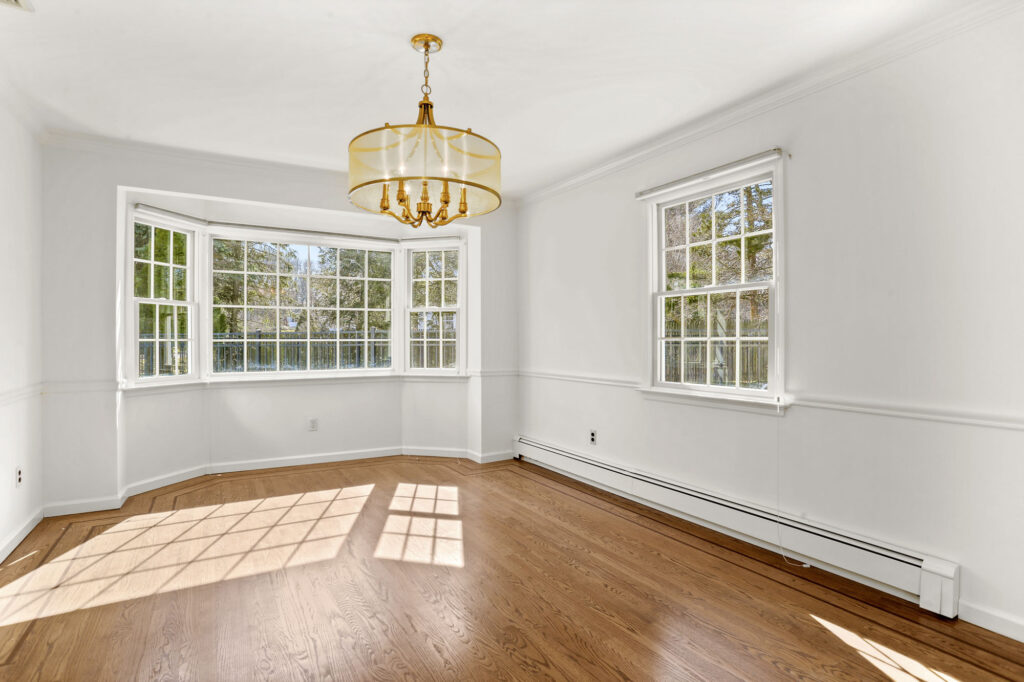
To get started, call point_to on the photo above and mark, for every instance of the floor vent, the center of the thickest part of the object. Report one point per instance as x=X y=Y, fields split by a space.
x=934 y=582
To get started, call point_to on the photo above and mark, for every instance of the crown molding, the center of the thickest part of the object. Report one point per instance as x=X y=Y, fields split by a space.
x=953 y=23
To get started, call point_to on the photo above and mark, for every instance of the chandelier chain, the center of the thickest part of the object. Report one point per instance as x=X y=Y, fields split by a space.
x=425 y=88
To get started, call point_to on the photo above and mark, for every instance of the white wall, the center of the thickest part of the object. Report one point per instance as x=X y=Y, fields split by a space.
x=903 y=253
x=101 y=443
x=20 y=338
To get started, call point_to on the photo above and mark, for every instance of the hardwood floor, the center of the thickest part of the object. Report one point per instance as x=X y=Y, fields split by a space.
x=426 y=568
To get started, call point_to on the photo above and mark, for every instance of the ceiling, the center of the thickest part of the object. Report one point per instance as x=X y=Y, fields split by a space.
x=557 y=84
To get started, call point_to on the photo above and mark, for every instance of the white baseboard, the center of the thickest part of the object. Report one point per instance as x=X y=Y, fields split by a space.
x=81 y=506
x=997 y=621
x=161 y=481
x=298 y=460
x=488 y=457
x=12 y=541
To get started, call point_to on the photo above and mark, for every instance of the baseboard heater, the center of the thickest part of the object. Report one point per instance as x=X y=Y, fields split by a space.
x=934 y=582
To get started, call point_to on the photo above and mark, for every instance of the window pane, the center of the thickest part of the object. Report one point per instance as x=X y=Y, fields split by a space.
x=262 y=257
x=293 y=291
x=419 y=294
x=700 y=266
x=261 y=323
x=451 y=264
x=147 y=321
x=228 y=323
x=434 y=266
x=758 y=255
x=419 y=265
x=293 y=326
x=182 y=357
x=432 y=359
x=449 y=325
x=351 y=354
x=350 y=293
x=448 y=354
x=700 y=220
x=695 y=309
x=228 y=254
x=166 y=360
x=323 y=355
x=378 y=295
x=695 y=362
x=433 y=328
x=262 y=356
x=142 y=280
x=727 y=214
x=754 y=313
x=143 y=241
x=417 y=325
x=672 y=360
x=416 y=354
x=182 y=317
x=261 y=289
x=758 y=200
x=228 y=289
x=228 y=357
x=323 y=260
x=323 y=292
x=323 y=324
x=434 y=297
x=180 y=248
x=451 y=292
x=147 y=359
x=294 y=259
x=673 y=317
x=379 y=325
x=727 y=261
x=380 y=354
x=350 y=324
x=351 y=262
x=162 y=245
x=723 y=363
x=754 y=364
x=675 y=226
x=379 y=264
x=161 y=281
x=180 y=284
x=165 y=321
x=293 y=356
x=675 y=270
x=723 y=314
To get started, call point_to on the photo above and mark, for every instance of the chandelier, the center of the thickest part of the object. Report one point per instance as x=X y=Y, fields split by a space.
x=435 y=162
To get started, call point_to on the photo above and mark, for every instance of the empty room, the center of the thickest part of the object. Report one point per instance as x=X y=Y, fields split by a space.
x=436 y=340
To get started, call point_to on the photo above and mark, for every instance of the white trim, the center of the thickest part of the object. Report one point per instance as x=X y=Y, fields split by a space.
x=960 y=20
x=161 y=481
x=82 y=506
x=582 y=378
x=19 y=393
x=85 y=386
x=760 y=405
x=11 y=542
x=997 y=621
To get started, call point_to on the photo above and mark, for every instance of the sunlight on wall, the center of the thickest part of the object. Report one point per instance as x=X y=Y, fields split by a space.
x=895 y=665
x=153 y=553
x=423 y=539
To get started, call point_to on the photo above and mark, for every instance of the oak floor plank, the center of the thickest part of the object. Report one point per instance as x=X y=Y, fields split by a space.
x=558 y=581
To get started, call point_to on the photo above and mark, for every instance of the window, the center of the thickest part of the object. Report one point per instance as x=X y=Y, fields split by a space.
x=286 y=307
x=715 y=288
x=434 y=309
x=162 y=301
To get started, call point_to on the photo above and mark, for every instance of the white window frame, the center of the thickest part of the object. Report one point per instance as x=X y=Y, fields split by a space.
x=200 y=300
x=437 y=244
x=767 y=165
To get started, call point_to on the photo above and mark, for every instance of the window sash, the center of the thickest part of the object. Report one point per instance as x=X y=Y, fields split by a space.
x=458 y=308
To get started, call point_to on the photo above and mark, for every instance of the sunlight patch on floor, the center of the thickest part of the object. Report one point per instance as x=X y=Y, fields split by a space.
x=153 y=553
x=418 y=538
x=895 y=665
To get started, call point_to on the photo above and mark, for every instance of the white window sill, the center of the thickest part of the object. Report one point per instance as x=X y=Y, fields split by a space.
x=227 y=381
x=744 y=403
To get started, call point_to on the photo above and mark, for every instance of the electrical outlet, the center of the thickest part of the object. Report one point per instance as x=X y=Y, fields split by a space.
x=18 y=476
x=593 y=437
x=314 y=424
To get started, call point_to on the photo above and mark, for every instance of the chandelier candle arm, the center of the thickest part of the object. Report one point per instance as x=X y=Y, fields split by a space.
x=444 y=157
